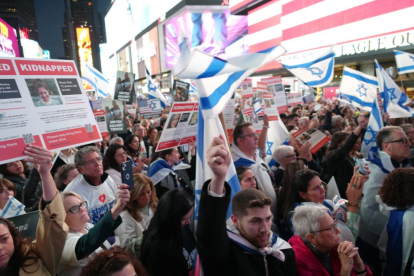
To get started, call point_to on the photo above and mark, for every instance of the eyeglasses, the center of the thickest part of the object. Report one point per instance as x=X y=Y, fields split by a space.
x=121 y=154
x=93 y=161
x=75 y=209
x=251 y=135
x=333 y=228
x=404 y=141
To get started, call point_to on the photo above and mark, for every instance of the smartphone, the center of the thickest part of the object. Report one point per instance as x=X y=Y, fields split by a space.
x=127 y=175
x=315 y=116
x=361 y=168
x=347 y=122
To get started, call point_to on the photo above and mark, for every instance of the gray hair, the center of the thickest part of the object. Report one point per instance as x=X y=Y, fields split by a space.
x=79 y=156
x=386 y=134
x=406 y=127
x=134 y=127
x=303 y=120
x=281 y=152
x=306 y=218
x=115 y=140
x=335 y=119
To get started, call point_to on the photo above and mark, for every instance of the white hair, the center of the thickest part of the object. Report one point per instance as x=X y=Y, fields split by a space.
x=335 y=119
x=303 y=120
x=281 y=152
x=306 y=218
x=116 y=139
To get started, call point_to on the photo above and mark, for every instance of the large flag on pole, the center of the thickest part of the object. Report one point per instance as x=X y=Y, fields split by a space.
x=217 y=79
x=405 y=62
x=94 y=78
x=359 y=88
x=369 y=148
x=394 y=98
x=316 y=71
x=153 y=91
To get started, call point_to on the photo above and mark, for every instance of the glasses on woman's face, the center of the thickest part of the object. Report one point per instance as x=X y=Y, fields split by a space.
x=75 y=209
x=120 y=155
x=333 y=229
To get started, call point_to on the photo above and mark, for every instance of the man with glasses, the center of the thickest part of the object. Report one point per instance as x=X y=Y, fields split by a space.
x=97 y=188
x=409 y=131
x=394 y=149
x=245 y=153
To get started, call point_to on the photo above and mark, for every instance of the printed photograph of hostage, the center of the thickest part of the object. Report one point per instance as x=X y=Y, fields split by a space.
x=124 y=87
x=175 y=118
x=115 y=114
x=44 y=92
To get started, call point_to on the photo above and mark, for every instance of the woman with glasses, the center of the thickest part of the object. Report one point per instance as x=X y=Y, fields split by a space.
x=307 y=187
x=114 y=157
x=84 y=239
x=318 y=247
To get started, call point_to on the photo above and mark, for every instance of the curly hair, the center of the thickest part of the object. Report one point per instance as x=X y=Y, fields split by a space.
x=62 y=174
x=398 y=189
x=110 y=261
x=24 y=254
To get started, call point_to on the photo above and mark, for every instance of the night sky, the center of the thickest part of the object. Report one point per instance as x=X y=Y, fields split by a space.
x=50 y=20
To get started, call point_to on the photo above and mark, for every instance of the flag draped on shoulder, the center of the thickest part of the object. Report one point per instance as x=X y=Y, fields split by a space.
x=153 y=91
x=217 y=79
x=359 y=88
x=315 y=71
x=405 y=62
x=394 y=98
x=94 y=78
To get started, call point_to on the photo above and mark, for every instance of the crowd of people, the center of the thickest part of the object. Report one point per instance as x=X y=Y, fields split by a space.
x=282 y=220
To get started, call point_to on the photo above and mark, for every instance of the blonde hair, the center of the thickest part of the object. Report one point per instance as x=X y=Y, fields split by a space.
x=141 y=181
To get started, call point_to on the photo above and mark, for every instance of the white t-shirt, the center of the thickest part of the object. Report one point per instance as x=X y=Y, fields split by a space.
x=100 y=198
x=130 y=228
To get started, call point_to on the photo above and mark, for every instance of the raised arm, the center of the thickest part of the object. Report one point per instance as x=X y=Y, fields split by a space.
x=263 y=135
x=218 y=158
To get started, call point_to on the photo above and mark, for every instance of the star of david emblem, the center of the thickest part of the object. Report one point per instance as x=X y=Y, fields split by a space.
x=151 y=86
x=373 y=136
x=315 y=71
x=391 y=91
x=360 y=88
x=269 y=147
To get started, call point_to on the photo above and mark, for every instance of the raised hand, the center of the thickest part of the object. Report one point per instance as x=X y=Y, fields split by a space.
x=218 y=157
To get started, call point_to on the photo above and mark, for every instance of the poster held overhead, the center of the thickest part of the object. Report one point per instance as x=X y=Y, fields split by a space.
x=124 y=87
x=180 y=91
x=115 y=116
x=42 y=102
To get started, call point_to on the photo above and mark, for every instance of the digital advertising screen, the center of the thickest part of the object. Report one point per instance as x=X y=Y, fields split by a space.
x=215 y=32
x=84 y=47
x=8 y=40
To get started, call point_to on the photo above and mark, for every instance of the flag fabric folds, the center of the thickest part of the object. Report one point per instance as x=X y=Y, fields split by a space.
x=405 y=62
x=394 y=98
x=153 y=91
x=316 y=71
x=359 y=88
x=96 y=79
x=369 y=148
x=217 y=79
x=207 y=129
x=12 y=208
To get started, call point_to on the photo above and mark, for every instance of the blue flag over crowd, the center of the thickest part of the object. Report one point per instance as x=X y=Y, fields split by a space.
x=95 y=79
x=153 y=91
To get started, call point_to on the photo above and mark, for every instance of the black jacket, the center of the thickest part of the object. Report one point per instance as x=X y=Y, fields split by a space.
x=219 y=255
x=340 y=165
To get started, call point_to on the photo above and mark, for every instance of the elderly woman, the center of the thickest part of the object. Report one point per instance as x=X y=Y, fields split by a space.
x=283 y=155
x=137 y=214
x=84 y=239
x=318 y=248
x=397 y=240
x=308 y=187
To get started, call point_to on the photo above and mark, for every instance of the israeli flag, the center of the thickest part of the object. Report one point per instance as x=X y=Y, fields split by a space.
x=359 y=88
x=217 y=79
x=316 y=71
x=94 y=78
x=405 y=62
x=257 y=108
x=369 y=148
x=207 y=129
x=394 y=98
x=12 y=208
x=400 y=241
x=153 y=91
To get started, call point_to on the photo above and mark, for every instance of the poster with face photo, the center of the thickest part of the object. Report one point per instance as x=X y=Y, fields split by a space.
x=180 y=91
x=180 y=127
x=115 y=116
x=124 y=87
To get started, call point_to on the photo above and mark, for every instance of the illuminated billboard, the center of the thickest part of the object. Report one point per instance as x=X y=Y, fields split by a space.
x=8 y=40
x=214 y=31
x=84 y=47
x=148 y=53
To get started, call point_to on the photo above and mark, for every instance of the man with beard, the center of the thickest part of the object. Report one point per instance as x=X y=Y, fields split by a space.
x=248 y=247
x=96 y=188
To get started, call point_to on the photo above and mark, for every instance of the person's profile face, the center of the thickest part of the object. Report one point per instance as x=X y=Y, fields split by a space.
x=43 y=93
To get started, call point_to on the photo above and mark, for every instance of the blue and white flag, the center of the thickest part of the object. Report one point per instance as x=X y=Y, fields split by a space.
x=369 y=148
x=257 y=108
x=400 y=231
x=12 y=208
x=405 y=62
x=394 y=98
x=207 y=129
x=94 y=78
x=217 y=79
x=359 y=88
x=316 y=71
x=153 y=91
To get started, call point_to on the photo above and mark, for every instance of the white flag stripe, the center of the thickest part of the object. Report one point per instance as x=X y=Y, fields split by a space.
x=369 y=148
x=153 y=91
x=405 y=62
x=95 y=79
x=264 y=13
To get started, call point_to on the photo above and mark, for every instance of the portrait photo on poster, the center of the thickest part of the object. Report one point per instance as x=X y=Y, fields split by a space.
x=174 y=120
x=124 y=87
x=44 y=92
x=180 y=91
